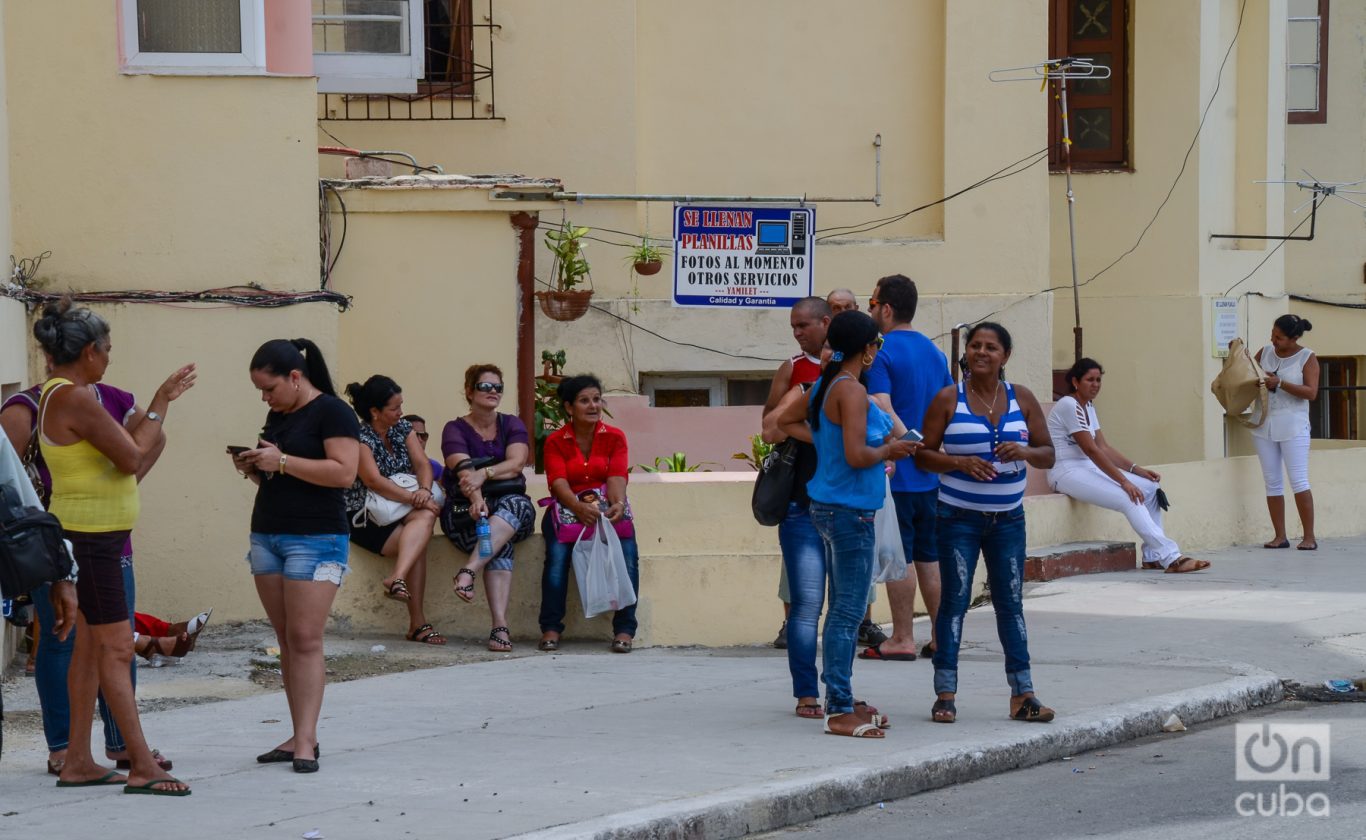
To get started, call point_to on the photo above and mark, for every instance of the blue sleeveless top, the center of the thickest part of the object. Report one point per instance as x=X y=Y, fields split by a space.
x=837 y=483
x=972 y=434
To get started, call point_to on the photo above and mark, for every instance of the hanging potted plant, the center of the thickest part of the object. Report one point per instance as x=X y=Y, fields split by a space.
x=646 y=258
x=565 y=301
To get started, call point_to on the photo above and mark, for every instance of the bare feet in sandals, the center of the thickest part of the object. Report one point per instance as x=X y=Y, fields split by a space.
x=1186 y=564
x=466 y=592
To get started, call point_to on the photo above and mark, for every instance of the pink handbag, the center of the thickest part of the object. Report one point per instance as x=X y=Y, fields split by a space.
x=568 y=528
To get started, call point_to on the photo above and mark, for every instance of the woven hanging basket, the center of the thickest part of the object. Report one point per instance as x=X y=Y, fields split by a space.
x=565 y=306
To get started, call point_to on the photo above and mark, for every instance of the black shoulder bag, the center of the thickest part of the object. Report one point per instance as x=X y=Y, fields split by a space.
x=456 y=515
x=773 y=485
x=31 y=549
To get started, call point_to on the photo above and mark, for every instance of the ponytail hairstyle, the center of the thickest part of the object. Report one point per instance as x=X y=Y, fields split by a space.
x=850 y=334
x=1293 y=326
x=373 y=395
x=1002 y=335
x=280 y=356
x=64 y=330
x=1079 y=369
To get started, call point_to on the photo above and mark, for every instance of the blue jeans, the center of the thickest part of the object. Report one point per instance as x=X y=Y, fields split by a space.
x=1000 y=537
x=53 y=661
x=804 y=562
x=848 y=537
x=555 y=583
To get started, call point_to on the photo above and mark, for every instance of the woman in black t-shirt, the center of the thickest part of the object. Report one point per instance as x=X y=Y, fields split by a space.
x=304 y=461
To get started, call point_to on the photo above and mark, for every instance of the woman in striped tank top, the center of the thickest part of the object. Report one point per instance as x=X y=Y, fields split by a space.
x=989 y=429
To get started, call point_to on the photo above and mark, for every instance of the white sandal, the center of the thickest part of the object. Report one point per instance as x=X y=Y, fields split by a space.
x=860 y=731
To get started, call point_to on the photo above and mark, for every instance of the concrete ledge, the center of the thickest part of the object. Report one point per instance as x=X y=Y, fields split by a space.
x=1079 y=558
x=774 y=805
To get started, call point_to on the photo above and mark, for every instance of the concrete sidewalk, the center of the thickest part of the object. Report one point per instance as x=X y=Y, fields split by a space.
x=704 y=743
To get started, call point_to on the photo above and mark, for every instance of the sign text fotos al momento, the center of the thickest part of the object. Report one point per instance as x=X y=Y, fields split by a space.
x=1282 y=752
x=735 y=256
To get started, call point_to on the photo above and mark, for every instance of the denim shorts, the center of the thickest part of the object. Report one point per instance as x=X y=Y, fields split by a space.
x=300 y=556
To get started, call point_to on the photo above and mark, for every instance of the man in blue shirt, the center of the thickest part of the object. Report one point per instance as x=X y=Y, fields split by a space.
x=905 y=376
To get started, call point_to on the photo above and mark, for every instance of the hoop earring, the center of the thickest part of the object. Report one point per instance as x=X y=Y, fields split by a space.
x=867 y=360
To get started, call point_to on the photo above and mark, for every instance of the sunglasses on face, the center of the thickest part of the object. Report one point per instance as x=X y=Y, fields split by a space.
x=422 y=436
x=486 y=387
x=877 y=342
x=874 y=304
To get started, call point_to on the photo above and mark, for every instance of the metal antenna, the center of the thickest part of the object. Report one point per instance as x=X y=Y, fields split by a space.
x=1059 y=71
x=1319 y=192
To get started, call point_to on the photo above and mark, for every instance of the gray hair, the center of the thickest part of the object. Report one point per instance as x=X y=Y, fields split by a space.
x=64 y=330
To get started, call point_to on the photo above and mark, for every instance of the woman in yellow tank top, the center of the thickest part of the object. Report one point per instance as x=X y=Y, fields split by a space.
x=95 y=463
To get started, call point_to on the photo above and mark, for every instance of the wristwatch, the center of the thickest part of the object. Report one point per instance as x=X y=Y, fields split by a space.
x=154 y=417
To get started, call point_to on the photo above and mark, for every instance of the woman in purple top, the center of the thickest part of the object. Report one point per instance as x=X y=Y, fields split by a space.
x=487 y=449
x=19 y=417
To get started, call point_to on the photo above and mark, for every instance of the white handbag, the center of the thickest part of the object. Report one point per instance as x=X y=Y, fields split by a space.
x=382 y=511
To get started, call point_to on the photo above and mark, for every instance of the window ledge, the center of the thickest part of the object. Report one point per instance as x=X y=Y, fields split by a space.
x=1094 y=170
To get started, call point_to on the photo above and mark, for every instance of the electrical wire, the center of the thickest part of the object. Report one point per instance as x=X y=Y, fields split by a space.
x=1269 y=255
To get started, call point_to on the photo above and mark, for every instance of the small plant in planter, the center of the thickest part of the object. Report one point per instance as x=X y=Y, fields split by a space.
x=565 y=300
x=646 y=258
x=758 y=452
x=677 y=463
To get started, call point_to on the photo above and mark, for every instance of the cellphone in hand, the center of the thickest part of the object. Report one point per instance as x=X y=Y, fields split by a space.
x=913 y=435
x=234 y=451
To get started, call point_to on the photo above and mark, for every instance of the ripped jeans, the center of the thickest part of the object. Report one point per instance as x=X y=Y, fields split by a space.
x=1000 y=537
x=318 y=557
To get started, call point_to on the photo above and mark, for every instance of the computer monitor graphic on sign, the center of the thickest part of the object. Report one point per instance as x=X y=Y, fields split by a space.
x=772 y=239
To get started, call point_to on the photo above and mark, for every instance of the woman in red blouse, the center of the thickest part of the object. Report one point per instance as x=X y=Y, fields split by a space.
x=585 y=466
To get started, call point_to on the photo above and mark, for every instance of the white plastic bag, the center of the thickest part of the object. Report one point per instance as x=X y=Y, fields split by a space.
x=600 y=568
x=889 y=556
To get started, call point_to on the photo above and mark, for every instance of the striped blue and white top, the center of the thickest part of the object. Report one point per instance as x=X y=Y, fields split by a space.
x=972 y=434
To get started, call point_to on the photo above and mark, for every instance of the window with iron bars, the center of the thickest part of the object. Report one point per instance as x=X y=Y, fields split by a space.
x=404 y=59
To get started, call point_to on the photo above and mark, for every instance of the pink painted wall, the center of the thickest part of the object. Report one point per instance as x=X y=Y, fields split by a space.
x=289 y=37
x=703 y=434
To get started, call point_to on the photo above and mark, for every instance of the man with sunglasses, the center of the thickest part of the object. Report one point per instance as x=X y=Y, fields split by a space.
x=905 y=376
x=420 y=429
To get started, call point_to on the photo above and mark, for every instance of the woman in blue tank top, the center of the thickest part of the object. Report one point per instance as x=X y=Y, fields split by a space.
x=853 y=439
x=989 y=429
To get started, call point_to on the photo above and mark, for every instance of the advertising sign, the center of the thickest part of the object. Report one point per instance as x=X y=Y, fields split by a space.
x=729 y=256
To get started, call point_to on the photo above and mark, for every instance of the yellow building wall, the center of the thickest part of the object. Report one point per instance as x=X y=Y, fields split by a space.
x=765 y=98
x=1147 y=319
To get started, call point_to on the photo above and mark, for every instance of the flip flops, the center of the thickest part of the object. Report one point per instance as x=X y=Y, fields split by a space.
x=162 y=761
x=875 y=652
x=106 y=779
x=150 y=788
x=1186 y=564
x=1281 y=544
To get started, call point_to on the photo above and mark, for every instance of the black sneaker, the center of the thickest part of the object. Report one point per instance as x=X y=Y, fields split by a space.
x=781 y=642
x=870 y=634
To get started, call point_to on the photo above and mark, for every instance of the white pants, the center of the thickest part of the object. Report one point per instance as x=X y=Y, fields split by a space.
x=1084 y=482
x=1294 y=453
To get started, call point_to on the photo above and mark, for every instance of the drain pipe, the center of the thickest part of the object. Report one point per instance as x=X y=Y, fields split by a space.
x=526 y=223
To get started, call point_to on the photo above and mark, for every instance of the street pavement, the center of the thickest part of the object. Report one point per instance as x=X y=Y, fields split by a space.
x=1155 y=788
x=703 y=743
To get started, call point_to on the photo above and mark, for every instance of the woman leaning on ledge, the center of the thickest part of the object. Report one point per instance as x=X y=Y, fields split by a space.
x=1292 y=377
x=302 y=465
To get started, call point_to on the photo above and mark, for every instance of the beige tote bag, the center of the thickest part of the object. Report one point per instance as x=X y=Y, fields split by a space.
x=1241 y=384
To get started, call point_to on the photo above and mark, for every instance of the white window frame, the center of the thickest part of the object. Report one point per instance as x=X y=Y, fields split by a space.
x=714 y=385
x=251 y=61
x=370 y=73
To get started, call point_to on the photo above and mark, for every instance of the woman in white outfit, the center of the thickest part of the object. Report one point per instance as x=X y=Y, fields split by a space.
x=1292 y=377
x=1090 y=470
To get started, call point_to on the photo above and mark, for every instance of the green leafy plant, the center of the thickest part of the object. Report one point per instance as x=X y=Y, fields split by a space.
x=758 y=451
x=571 y=266
x=677 y=463
x=648 y=251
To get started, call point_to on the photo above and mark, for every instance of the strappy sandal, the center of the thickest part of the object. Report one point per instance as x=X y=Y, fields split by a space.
x=149 y=646
x=1032 y=711
x=464 y=593
x=811 y=711
x=426 y=635
x=943 y=711
x=863 y=730
x=398 y=590
x=549 y=645
x=504 y=641
x=864 y=710
x=621 y=645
